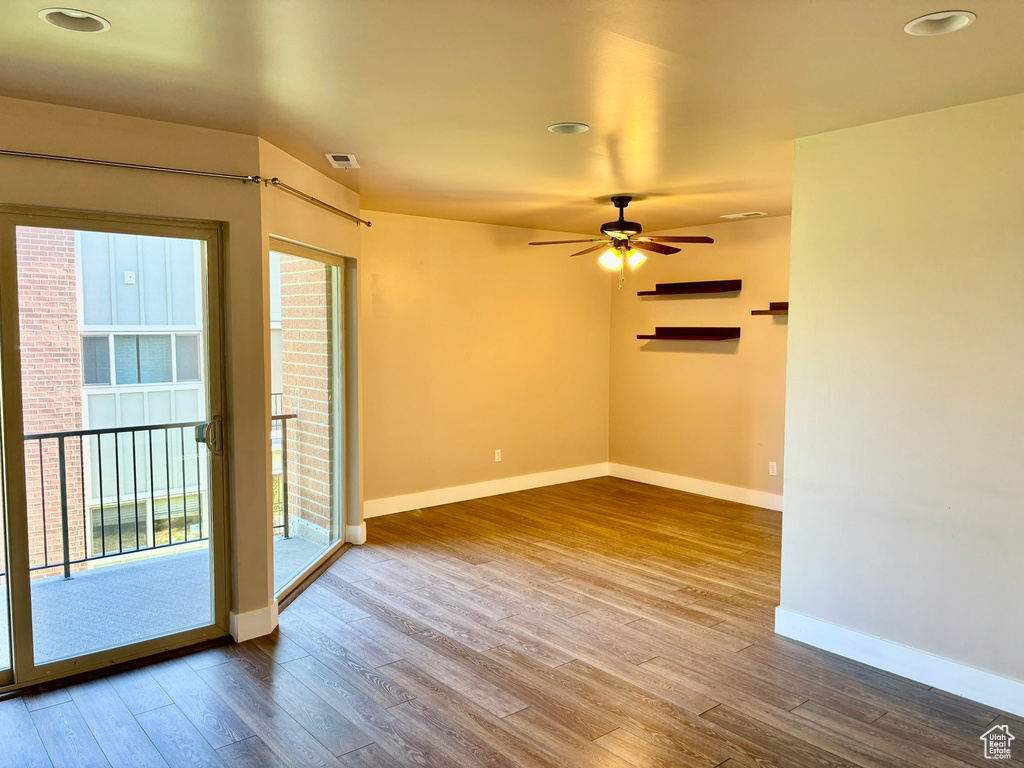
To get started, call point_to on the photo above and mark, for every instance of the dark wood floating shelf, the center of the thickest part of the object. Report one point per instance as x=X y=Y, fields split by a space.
x=675 y=333
x=774 y=308
x=706 y=286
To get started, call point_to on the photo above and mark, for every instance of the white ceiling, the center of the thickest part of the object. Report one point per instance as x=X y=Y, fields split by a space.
x=693 y=103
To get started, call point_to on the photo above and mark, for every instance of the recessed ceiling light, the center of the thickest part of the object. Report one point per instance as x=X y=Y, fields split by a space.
x=74 y=20
x=568 y=127
x=747 y=215
x=941 y=23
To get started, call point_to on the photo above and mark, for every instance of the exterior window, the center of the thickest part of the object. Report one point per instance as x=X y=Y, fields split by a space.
x=95 y=360
x=187 y=354
x=142 y=359
x=155 y=359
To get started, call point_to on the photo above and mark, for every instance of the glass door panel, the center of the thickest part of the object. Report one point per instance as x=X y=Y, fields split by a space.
x=306 y=426
x=114 y=380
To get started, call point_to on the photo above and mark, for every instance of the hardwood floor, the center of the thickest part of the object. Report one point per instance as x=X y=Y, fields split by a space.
x=599 y=623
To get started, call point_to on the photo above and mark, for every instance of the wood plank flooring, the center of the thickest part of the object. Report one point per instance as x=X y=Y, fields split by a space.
x=599 y=623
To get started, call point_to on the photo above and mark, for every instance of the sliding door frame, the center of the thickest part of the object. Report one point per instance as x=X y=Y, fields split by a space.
x=24 y=670
x=341 y=382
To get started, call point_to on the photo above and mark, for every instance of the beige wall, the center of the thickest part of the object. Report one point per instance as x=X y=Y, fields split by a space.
x=905 y=402
x=706 y=410
x=471 y=341
x=287 y=216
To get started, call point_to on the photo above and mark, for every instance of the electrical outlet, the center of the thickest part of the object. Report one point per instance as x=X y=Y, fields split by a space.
x=497 y=455
x=129 y=278
x=773 y=468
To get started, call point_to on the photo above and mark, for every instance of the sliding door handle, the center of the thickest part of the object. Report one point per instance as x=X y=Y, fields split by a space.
x=212 y=434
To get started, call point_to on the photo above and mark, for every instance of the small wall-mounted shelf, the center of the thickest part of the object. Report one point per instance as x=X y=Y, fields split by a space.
x=705 y=286
x=774 y=308
x=676 y=333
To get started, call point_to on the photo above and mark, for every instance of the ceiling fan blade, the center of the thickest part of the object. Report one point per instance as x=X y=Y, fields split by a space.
x=678 y=239
x=597 y=247
x=563 y=242
x=656 y=247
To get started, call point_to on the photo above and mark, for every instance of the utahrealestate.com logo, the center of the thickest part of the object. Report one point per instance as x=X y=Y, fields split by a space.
x=997 y=742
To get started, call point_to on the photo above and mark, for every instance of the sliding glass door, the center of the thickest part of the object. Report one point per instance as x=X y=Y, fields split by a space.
x=112 y=454
x=307 y=426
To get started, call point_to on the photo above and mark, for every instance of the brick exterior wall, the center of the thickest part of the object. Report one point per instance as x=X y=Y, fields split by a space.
x=51 y=375
x=307 y=367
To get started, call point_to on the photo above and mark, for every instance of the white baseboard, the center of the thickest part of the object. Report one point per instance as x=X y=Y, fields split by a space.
x=983 y=687
x=356 y=534
x=700 y=487
x=393 y=504
x=246 y=626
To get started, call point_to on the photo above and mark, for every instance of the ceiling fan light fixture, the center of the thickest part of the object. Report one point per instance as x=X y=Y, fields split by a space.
x=634 y=258
x=611 y=259
x=569 y=127
x=940 y=23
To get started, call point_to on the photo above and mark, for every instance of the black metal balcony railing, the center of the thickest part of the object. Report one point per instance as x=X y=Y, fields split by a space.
x=106 y=483
x=279 y=434
x=111 y=481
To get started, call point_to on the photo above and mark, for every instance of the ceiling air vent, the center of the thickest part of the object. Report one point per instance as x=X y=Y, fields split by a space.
x=341 y=160
x=747 y=215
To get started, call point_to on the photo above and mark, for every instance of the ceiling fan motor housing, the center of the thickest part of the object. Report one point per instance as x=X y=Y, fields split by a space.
x=621 y=228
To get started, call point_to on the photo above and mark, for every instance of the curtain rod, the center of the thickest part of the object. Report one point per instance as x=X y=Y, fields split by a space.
x=113 y=164
x=186 y=172
x=276 y=182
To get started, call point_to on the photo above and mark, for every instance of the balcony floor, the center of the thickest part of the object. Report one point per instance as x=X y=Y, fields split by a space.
x=113 y=605
x=291 y=556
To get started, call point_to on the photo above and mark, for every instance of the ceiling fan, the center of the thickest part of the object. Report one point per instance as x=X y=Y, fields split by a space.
x=623 y=243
